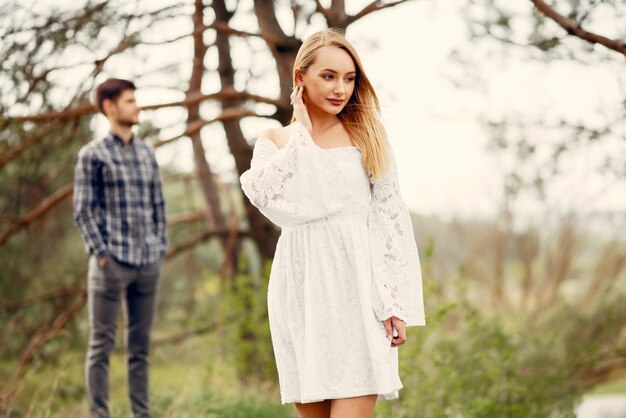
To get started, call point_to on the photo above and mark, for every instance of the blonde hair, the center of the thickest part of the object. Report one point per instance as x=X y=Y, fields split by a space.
x=361 y=115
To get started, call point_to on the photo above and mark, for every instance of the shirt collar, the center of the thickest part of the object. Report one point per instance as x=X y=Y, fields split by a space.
x=115 y=138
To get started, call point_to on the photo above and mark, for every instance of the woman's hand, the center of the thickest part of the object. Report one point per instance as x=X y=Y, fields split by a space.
x=400 y=326
x=299 y=108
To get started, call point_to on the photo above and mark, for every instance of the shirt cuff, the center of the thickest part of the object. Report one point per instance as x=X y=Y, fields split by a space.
x=101 y=253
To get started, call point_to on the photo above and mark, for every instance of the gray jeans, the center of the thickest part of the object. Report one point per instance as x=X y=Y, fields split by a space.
x=106 y=288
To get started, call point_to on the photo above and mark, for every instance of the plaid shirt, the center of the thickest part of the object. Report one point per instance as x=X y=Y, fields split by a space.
x=118 y=201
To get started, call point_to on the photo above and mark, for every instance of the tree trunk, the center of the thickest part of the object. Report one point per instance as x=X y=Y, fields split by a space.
x=215 y=219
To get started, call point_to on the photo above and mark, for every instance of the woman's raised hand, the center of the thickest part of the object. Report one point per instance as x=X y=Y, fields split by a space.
x=299 y=108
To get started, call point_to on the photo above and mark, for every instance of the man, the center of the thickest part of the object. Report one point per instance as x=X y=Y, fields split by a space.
x=119 y=210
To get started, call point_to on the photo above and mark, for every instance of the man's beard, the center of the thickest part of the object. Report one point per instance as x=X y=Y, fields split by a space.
x=126 y=122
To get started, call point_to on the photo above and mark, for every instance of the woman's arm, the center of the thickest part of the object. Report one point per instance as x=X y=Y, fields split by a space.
x=292 y=184
x=397 y=280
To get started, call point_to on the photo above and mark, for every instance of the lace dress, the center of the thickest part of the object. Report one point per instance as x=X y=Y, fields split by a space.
x=345 y=261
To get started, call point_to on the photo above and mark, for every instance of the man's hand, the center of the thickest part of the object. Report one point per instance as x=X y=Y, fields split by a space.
x=400 y=326
x=102 y=261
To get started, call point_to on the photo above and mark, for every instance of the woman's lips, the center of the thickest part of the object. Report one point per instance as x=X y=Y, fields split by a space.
x=336 y=102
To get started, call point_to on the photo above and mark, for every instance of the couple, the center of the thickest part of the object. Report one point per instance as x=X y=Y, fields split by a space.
x=345 y=281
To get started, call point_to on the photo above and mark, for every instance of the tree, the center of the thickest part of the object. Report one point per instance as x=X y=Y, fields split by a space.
x=537 y=146
x=579 y=33
x=51 y=58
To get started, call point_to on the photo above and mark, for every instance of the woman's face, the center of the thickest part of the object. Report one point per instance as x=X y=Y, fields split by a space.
x=329 y=82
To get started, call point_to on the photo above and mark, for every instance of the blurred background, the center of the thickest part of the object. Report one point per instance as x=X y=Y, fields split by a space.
x=507 y=121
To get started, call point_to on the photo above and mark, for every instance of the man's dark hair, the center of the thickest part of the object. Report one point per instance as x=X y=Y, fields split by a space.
x=111 y=89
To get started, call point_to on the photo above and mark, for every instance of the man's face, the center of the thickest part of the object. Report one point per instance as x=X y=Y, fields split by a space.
x=124 y=111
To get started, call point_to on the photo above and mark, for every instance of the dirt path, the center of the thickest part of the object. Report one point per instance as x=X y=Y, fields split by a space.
x=603 y=406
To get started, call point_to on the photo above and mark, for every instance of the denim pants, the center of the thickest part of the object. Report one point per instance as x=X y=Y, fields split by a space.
x=138 y=286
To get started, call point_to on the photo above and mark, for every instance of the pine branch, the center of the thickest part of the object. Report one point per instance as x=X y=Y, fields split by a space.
x=574 y=29
x=86 y=108
x=183 y=336
x=374 y=6
x=66 y=191
x=38 y=299
x=45 y=333
x=224 y=27
x=195 y=126
x=191 y=242
x=602 y=372
x=26 y=142
x=42 y=208
x=183 y=218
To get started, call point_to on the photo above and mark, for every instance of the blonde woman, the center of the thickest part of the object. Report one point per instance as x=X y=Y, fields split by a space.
x=345 y=280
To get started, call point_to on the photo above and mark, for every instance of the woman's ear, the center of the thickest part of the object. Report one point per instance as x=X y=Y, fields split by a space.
x=298 y=77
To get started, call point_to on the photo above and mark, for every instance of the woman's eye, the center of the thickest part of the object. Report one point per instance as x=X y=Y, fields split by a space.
x=350 y=79
x=327 y=76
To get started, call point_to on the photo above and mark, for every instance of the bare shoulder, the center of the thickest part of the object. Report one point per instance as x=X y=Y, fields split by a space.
x=278 y=136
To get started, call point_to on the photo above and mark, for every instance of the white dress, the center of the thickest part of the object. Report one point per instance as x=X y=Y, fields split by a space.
x=343 y=264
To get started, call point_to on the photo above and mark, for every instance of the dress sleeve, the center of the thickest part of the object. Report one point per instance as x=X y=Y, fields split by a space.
x=292 y=184
x=397 y=278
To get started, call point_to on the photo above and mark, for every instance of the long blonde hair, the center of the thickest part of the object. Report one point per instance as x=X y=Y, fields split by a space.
x=361 y=115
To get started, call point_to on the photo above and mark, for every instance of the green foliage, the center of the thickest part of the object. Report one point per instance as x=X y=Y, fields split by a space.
x=186 y=380
x=210 y=405
x=466 y=364
x=49 y=254
x=583 y=340
x=245 y=302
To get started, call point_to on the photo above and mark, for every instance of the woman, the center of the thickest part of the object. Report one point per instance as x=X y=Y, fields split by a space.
x=345 y=281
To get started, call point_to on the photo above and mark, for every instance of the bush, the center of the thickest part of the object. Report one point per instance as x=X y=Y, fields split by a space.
x=480 y=368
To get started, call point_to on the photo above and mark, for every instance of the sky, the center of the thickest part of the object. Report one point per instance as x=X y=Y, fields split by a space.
x=446 y=167
x=432 y=108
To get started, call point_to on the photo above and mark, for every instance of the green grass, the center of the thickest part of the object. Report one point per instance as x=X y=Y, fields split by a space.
x=191 y=380
x=616 y=387
x=186 y=380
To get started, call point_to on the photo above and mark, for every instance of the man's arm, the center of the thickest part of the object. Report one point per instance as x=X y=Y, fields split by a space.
x=86 y=170
x=158 y=203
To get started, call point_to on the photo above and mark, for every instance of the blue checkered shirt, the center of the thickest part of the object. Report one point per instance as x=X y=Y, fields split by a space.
x=118 y=201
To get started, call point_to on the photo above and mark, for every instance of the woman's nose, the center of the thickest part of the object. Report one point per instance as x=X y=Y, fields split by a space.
x=340 y=88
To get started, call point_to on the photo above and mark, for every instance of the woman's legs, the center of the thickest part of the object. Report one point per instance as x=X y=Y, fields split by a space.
x=313 y=409
x=358 y=407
